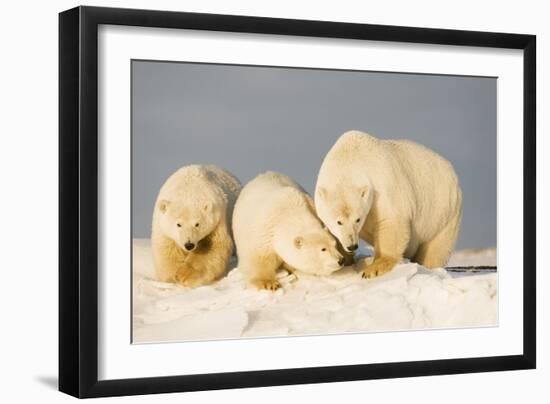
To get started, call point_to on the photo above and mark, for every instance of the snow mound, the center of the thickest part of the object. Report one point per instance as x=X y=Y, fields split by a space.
x=408 y=297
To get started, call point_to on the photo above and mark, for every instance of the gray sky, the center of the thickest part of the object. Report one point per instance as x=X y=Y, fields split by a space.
x=250 y=119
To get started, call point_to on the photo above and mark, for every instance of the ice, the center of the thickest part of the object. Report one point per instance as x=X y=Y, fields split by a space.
x=408 y=297
x=230 y=323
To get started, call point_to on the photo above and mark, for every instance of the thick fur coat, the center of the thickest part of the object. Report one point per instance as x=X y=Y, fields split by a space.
x=401 y=197
x=275 y=226
x=191 y=231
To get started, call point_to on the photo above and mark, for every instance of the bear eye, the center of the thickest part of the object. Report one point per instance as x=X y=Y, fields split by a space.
x=339 y=222
x=179 y=224
x=358 y=220
x=196 y=225
x=323 y=249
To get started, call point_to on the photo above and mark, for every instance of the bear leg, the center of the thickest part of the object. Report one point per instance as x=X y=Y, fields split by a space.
x=390 y=239
x=190 y=276
x=204 y=267
x=262 y=272
x=168 y=258
x=436 y=252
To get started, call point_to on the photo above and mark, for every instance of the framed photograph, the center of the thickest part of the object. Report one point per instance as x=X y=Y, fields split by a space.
x=249 y=201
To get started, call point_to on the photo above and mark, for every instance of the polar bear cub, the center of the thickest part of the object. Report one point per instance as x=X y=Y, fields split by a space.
x=399 y=196
x=191 y=231
x=275 y=225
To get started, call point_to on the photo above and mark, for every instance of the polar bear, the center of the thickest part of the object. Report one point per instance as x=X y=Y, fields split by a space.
x=401 y=197
x=191 y=231
x=275 y=225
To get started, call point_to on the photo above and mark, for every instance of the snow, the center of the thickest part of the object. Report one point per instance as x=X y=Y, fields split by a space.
x=408 y=297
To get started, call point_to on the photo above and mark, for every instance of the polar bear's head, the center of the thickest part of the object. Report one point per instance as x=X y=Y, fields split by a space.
x=313 y=251
x=344 y=212
x=188 y=222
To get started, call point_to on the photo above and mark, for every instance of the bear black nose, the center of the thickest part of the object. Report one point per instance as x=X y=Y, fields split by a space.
x=189 y=246
x=353 y=247
x=341 y=261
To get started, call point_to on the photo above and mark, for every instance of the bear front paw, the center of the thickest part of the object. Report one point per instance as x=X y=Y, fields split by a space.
x=266 y=284
x=189 y=278
x=379 y=267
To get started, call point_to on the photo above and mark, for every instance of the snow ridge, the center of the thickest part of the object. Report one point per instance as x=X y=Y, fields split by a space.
x=409 y=297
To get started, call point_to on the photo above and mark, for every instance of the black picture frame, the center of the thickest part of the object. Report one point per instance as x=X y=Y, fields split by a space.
x=78 y=201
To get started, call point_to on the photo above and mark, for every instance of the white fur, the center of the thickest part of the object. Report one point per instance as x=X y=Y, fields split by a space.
x=274 y=224
x=407 y=198
x=194 y=205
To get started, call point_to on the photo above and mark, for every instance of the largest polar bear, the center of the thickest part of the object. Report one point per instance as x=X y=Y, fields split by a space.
x=399 y=196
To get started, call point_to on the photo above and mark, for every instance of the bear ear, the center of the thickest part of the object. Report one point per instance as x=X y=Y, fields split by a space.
x=163 y=205
x=298 y=242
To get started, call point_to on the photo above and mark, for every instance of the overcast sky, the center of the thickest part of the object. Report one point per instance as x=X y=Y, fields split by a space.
x=252 y=119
